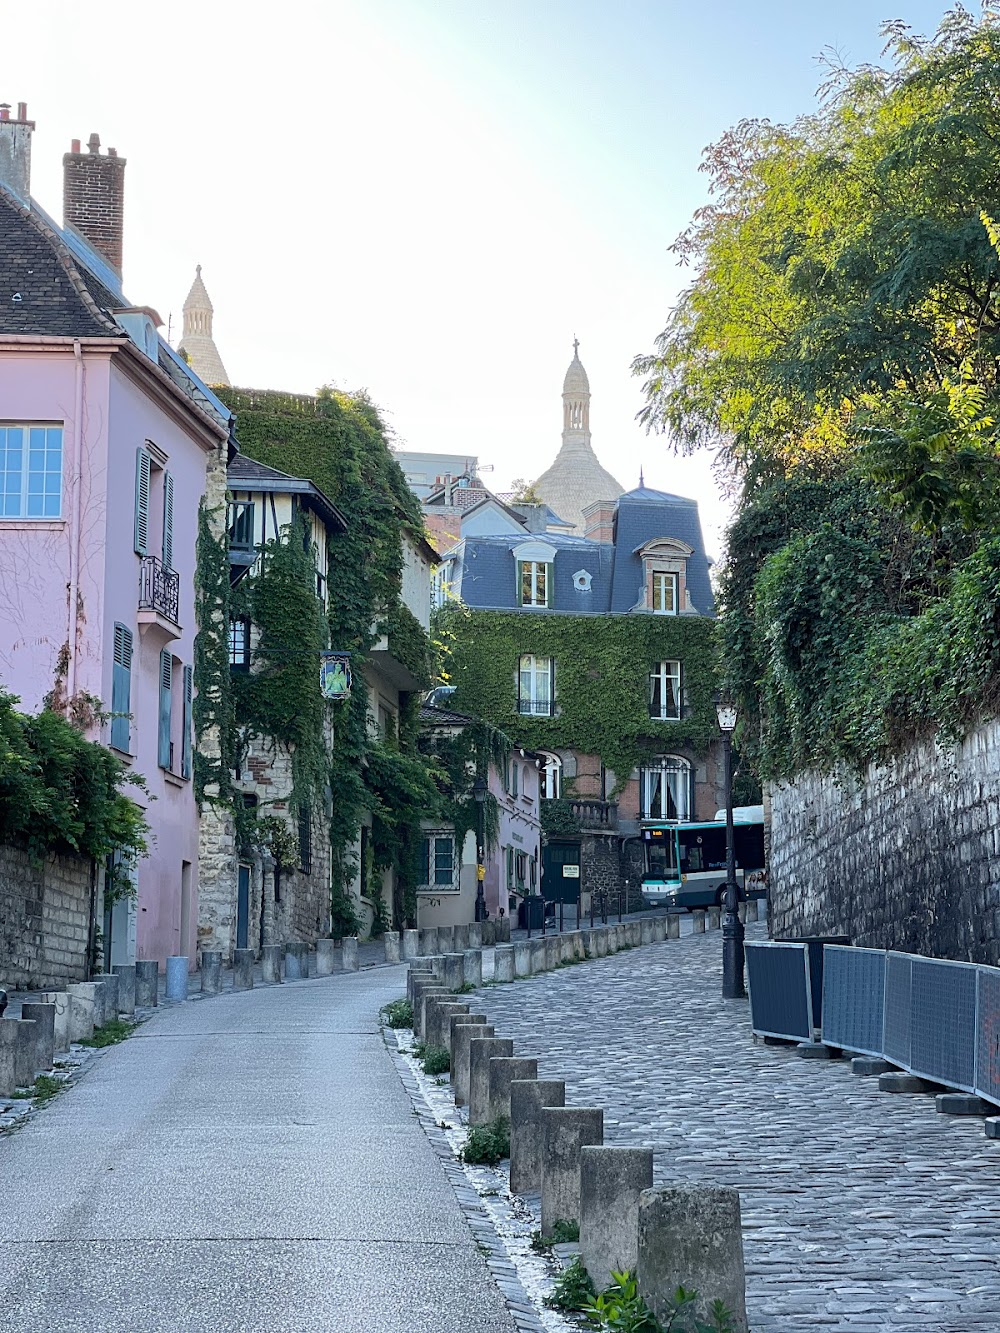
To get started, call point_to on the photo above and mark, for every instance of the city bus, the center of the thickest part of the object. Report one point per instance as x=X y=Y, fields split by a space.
x=684 y=865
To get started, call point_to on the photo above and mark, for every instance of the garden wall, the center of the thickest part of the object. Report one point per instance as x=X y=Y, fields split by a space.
x=44 y=920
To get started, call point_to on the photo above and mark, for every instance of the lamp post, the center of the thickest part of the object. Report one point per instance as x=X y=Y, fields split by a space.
x=733 y=952
x=479 y=793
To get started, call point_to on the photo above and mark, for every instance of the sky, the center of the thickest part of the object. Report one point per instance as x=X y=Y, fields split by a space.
x=428 y=199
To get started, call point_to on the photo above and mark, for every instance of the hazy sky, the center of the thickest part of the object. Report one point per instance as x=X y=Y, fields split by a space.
x=426 y=198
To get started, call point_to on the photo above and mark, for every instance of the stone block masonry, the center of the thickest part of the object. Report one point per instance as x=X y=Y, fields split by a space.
x=905 y=859
x=44 y=920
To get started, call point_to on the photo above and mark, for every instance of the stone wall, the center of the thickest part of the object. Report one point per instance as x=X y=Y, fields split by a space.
x=907 y=859
x=44 y=920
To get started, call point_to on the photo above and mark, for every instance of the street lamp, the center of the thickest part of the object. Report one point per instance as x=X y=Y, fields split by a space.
x=733 y=952
x=479 y=794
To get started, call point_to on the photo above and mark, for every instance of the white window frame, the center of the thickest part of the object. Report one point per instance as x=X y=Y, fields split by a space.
x=664 y=674
x=532 y=701
x=550 y=777
x=668 y=579
x=24 y=495
x=535 y=569
x=668 y=772
x=432 y=837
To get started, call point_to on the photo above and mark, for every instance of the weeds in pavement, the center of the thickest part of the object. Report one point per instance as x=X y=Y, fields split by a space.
x=436 y=1060
x=487 y=1144
x=572 y=1289
x=398 y=1014
x=110 y=1033
x=466 y=988
x=44 y=1088
x=564 y=1232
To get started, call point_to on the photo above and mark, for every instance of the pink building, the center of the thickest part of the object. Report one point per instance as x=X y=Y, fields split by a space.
x=106 y=441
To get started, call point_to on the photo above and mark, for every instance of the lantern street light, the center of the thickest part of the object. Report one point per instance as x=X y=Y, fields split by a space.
x=733 y=952
x=479 y=793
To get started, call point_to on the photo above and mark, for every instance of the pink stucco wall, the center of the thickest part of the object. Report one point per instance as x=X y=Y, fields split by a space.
x=519 y=827
x=119 y=415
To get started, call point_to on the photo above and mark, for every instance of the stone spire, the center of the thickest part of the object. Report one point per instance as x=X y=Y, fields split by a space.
x=197 y=343
x=576 y=478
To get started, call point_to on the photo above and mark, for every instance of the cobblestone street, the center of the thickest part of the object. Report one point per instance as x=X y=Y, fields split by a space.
x=862 y=1210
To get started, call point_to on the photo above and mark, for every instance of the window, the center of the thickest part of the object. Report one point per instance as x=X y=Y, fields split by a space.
x=239 y=644
x=665 y=691
x=30 y=471
x=520 y=871
x=582 y=580
x=510 y=869
x=165 y=746
x=437 y=861
x=240 y=521
x=666 y=788
x=535 y=691
x=535 y=579
x=664 y=594
x=121 y=689
x=305 y=839
x=550 y=786
x=513 y=774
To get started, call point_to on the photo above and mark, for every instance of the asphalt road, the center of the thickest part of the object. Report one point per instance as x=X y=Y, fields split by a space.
x=244 y=1163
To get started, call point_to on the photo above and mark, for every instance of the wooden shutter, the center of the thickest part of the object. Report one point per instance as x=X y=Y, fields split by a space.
x=121 y=689
x=142 y=463
x=166 y=692
x=425 y=861
x=186 y=737
x=168 y=521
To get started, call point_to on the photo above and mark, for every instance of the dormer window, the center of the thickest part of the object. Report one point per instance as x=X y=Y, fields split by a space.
x=664 y=584
x=535 y=571
x=664 y=593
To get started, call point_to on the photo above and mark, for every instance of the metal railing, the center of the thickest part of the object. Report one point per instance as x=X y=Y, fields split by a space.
x=594 y=814
x=159 y=588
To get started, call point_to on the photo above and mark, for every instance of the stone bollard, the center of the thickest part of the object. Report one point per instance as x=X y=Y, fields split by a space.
x=461 y=1055
x=741 y=912
x=505 y=1070
x=565 y=1130
x=461 y=939
x=326 y=956
x=659 y=929
x=446 y=939
x=416 y=974
x=243 y=969
x=698 y=923
x=125 y=972
x=454 y=1023
x=612 y=939
x=522 y=958
x=10 y=1039
x=349 y=953
x=579 y=952
x=453 y=973
x=296 y=961
x=211 y=971
x=109 y=982
x=553 y=952
x=424 y=995
x=25 y=1051
x=528 y=1099
x=753 y=909
x=440 y=1010
x=43 y=1016
x=96 y=989
x=270 y=964
x=647 y=932
x=565 y=947
x=601 y=941
x=503 y=963
x=589 y=938
x=427 y=942
x=424 y=986
x=673 y=926
x=692 y=1235
x=611 y=1181
x=59 y=1000
x=489 y=929
x=80 y=1023
x=390 y=942
x=177 y=977
x=410 y=945
x=633 y=934
x=714 y=918
x=476 y=935
x=147 y=983
x=473 y=967
x=503 y=930
x=481 y=1052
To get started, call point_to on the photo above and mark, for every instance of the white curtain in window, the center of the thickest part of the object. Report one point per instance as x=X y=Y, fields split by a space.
x=535 y=686
x=551 y=777
x=665 y=691
x=666 y=789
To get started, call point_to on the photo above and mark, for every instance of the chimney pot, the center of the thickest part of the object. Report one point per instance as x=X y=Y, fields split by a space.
x=22 y=111
x=74 y=146
x=4 y=111
x=94 y=143
x=112 y=152
x=15 y=150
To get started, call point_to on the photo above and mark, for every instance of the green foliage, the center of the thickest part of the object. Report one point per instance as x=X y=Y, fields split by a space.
x=213 y=711
x=487 y=1144
x=61 y=794
x=620 y=1309
x=572 y=1289
x=602 y=679
x=110 y=1033
x=44 y=1088
x=436 y=1060
x=344 y=920
x=558 y=818
x=398 y=1014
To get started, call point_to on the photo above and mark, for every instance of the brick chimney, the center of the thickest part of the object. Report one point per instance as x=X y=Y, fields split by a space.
x=599 y=520
x=94 y=198
x=15 y=150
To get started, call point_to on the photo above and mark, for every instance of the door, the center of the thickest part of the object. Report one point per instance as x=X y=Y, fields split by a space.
x=242 y=907
x=561 y=872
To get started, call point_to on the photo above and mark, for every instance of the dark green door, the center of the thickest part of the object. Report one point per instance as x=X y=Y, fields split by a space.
x=561 y=872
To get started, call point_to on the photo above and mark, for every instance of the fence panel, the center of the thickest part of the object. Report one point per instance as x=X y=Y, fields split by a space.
x=943 y=1022
x=854 y=998
x=780 y=998
x=988 y=1034
x=898 y=970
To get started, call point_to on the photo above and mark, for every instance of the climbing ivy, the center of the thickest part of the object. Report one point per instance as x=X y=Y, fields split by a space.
x=602 y=679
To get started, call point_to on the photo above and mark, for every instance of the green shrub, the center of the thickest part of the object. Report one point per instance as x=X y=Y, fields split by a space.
x=398 y=1014
x=436 y=1060
x=620 y=1309
x=572 y=1289
x=487 y=1144
x=112 y=1032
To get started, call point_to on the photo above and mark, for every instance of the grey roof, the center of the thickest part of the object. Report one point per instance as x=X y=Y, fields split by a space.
x=445 y=717
x=246 y=474
x=643 y=515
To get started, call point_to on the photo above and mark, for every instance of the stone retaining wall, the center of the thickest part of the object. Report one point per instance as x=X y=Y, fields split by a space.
x=907 y=859
x=44 y=920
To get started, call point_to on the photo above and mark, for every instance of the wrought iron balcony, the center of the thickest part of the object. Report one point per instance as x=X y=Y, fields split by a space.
x=159 y=589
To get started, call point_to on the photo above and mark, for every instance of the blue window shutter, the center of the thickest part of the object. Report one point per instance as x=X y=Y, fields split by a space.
x=141 y=501
x=168 y=521
x=166 y=692
x=186 y=737
x=121 y=689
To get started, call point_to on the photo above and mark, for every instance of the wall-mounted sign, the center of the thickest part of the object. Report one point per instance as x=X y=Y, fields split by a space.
x=571 y=872
x=335 y=676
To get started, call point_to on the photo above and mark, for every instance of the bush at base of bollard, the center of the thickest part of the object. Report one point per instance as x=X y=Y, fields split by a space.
x=487 y=1144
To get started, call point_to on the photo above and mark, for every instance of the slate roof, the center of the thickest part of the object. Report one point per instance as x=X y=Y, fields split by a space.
x=643 y=515
x=246 y=474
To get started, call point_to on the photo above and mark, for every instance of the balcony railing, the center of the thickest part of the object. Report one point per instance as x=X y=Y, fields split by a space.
x=568 y=816
x=159 y=589
x=595 y=814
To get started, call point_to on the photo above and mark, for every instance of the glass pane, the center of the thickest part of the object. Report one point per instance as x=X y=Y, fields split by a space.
x=655 y=694
x=540 y=598
x=526 y=583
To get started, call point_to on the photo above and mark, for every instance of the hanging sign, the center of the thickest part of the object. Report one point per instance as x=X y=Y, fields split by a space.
x=335 y=676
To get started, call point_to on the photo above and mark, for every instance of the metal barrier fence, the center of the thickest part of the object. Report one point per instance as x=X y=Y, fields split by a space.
x=854 y=998
x=780 y=991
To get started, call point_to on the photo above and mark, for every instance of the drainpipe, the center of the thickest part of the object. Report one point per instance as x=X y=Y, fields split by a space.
x=76 y=501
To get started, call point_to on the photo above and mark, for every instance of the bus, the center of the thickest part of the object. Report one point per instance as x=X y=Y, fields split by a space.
x=684 y=865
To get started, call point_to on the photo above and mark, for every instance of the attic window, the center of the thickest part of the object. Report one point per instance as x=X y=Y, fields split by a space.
x=582 y=580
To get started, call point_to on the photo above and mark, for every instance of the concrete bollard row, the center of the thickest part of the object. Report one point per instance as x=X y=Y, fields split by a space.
x=391 y=945
x=296 y=961
x=481 y=1051
x=326 y=957
x=270 y=965
x=147 y=983
x=349 y=954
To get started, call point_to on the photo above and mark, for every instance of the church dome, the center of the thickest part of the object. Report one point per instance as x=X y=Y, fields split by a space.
x=197 y=344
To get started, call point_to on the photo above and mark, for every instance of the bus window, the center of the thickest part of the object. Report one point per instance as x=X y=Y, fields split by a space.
x=661 y=862
x=702 y=849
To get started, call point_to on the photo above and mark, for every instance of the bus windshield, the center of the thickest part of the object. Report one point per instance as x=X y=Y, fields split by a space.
x=678 y=849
